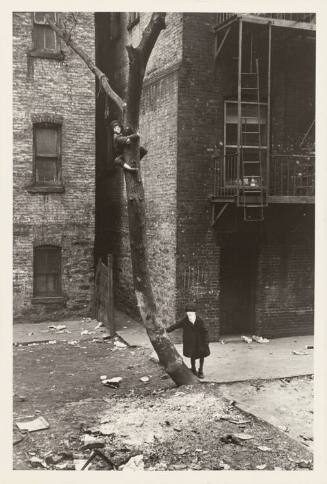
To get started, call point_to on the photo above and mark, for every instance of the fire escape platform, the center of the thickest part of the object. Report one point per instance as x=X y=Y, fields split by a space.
x=264 y=20
x=287 y=199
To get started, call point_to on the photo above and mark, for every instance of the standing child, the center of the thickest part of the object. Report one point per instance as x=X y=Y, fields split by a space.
x=195 y=338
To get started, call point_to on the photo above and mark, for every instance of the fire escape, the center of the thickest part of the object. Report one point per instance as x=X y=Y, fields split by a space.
x=242 y=174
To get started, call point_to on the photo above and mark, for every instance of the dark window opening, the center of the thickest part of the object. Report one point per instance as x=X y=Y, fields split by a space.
x=47 y=271
x=44 y=38
x=47 y=154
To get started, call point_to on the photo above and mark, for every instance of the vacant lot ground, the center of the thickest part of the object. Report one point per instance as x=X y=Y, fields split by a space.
x=172 y=428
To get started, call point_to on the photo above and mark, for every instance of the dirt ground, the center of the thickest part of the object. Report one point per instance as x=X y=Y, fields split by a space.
x=187 y=428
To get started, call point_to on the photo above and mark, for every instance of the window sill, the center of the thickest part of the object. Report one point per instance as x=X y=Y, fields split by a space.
x=48 y=300
x=46 y=189
x=46 y=54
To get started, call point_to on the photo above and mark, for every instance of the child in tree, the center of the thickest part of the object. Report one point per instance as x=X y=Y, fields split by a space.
x=120 y=139
x=195 y=338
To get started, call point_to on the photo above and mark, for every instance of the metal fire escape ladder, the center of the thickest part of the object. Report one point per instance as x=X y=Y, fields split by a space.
x=250 y=191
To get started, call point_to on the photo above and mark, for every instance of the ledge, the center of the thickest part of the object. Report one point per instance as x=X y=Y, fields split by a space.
x=46 y=54
x=48 y=300
x=46 y=189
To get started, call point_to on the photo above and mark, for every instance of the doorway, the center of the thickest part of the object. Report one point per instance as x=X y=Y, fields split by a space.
x=237 y=296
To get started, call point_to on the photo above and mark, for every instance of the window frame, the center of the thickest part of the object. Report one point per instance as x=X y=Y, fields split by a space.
x=55 y=53
x=58 y=157
x=47 y=295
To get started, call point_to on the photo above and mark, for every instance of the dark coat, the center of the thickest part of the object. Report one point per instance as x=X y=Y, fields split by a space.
x=195 y=337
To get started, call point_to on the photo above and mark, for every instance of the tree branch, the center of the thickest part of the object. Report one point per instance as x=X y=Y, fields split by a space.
x=138 y=58
x=66 y=37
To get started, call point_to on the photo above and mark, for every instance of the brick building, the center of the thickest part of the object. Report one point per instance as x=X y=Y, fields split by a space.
x=54 y=169
x=227 y=117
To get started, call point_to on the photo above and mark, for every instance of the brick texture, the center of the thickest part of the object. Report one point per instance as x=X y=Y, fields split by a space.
x=64 y=89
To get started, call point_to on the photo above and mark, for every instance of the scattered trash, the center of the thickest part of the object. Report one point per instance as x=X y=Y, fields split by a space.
x=264 y=448
x=134 y=464
x=52 y=342
x=306 y=437
x=65 y=465
x=222 y=342
x=309 y=347
x=164 y=377
x=79 y=464
x=230 y=439
x=277 y=468
x=246 y=339
x=179 y=467
x=181 y=451
x=38 y=423
x=198 y=450
x=304 y=464
x=244 y=436
x=261 y=467
x=73 y=342
x=86 y=331
x=103 y=377
x=260 y=339
x=53 y=459
x=59 y=327
x=99 y=325
x=112 y=382
x=177 y=429
x=119 y=344
x=145 y=379
x=19 y=438
x=106 y=336
x=37 y=462
x=299 y=352
x=91 y=442
x=154 y=357
x=283 y=428
x=30 y=334
x=19 y=398
x=223 y=465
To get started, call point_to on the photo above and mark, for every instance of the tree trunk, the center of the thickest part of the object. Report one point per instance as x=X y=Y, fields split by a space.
x=138 y=58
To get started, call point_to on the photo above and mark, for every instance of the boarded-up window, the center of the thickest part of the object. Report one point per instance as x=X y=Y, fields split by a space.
x=44 y=38
x=47 y=154
x=133 y=19
x=47 y=271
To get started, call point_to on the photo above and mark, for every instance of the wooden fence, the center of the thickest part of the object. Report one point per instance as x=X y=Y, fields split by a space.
x=104 y=300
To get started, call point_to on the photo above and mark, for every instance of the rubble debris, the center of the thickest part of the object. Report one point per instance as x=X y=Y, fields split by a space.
x=222 y=342
x=19 y=398
x=112 y=382
x=52 y=342
x=92 y=442
x=103 y=377
x=304 y=464
x=261 y=467
x=145 y=379
x=38 y=423
x=244 y=436
x=120 y=344
x=99 y=325
x=299 y=352
x=53 y=459
x=38 y=462
x=283 y=428
x=260 y=339
x=59 y=327
x=30 y=334
x=264 y=448
x=86 y=331
x=309 y=347
x=135 y=463
x=230 y=439
x=246 y=339
x=19 y=438
x=73 y=342
x=79 y=464
x=223 y=465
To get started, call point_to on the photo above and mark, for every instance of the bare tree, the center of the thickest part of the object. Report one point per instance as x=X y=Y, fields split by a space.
x=130 y=113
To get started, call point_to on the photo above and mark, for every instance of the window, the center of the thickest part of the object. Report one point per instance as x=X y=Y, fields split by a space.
x=47 y=154
x=44 y=38
x=133 y=19
x=47 y=271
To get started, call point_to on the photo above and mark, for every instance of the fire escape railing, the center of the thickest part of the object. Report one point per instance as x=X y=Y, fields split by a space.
x=290 y=175
x=296 y=17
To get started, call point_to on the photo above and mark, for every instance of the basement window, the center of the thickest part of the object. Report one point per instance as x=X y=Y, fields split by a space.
x=133 y=19
x=47 y=271
x=47 y=158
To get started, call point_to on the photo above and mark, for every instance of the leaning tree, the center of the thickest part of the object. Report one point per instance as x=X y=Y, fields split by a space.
x=130 y=113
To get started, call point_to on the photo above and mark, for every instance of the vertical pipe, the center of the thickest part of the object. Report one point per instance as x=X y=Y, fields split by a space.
x=268 y=109
x=110 y=295
x=239 y=106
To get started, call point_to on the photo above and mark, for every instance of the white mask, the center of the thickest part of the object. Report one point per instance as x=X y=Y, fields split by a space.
x=191 y=316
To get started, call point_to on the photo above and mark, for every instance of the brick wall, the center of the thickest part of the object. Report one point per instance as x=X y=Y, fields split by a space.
x=65 y=89
x=197 y=252
x=158 y=130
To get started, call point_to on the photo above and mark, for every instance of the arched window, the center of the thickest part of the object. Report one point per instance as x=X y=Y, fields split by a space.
x=47 y=271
